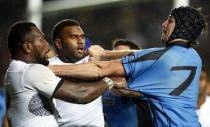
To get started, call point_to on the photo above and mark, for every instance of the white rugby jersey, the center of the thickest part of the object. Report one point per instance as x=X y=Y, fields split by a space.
x=203 y=113
x=31 y=87
x=71 y=115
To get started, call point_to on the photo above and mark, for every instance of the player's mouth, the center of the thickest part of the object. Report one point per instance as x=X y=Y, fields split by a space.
x=80 y=50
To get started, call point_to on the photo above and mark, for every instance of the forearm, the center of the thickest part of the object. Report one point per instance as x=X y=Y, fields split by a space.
x=112 y=55
x=77 y=91
x=89 y=71
x=81 y=92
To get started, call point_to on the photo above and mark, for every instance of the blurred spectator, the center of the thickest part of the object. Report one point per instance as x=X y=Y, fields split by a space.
x=123 y=44
x=203 y=104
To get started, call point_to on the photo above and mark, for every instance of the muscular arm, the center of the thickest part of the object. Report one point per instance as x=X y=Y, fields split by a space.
x=89 y=71
x=112 y=55
x=81 y=92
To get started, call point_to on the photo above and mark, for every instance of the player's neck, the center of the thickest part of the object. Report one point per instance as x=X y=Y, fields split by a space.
x=176 y=40
x=25 y=58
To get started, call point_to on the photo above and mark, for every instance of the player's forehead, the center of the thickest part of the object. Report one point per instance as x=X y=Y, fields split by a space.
x=37 y=30
x=76 y=30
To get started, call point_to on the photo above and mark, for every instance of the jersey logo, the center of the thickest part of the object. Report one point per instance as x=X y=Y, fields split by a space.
x=37 y=106
x=177 y=91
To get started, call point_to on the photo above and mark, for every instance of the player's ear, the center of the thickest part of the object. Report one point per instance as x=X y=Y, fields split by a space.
x=27 y=47
x=58 y=43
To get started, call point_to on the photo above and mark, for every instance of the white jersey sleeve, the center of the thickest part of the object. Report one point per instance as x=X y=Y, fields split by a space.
x=42 y=79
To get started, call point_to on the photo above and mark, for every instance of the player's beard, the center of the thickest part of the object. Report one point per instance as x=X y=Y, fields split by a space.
x=43 y=59
x=75 y=56
x=79 y=56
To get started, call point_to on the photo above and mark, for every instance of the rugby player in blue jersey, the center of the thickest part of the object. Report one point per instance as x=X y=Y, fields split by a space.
x=167 y=77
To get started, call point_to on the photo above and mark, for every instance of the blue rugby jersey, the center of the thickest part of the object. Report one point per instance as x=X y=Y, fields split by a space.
x=168 y=78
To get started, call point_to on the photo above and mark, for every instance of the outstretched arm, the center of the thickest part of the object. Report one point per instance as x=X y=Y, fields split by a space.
x=97 y=52
x=81 y=92
x=89 y=71
x=112 y=55
x=72 y=90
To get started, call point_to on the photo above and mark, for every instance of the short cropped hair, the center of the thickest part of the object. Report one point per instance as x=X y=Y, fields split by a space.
x=58 y=28
x=19 y=33
x=125 y=42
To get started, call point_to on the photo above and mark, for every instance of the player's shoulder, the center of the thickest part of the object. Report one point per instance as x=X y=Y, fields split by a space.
x=36 y=70
x=17 y=66
x=36 y=67
x=149 y=51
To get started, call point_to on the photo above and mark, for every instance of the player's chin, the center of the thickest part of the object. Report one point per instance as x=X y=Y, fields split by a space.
x=80 y=54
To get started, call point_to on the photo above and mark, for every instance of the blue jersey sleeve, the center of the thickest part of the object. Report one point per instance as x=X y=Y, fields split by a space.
x=135 y=64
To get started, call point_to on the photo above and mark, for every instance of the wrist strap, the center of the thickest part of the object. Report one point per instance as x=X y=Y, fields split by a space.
x=109 y=82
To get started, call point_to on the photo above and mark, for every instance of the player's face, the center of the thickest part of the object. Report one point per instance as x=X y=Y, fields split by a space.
x=121 y=47
x=167 y=28
x=40 y=47
x=73 y=43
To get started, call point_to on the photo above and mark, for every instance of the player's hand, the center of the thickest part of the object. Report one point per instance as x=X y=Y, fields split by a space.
x=96 y=52
x=119 y=82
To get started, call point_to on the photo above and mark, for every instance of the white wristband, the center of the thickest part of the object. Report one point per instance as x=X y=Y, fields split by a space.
x=109 y=82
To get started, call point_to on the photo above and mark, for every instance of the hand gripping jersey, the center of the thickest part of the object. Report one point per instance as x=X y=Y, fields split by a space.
x=168 y=78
